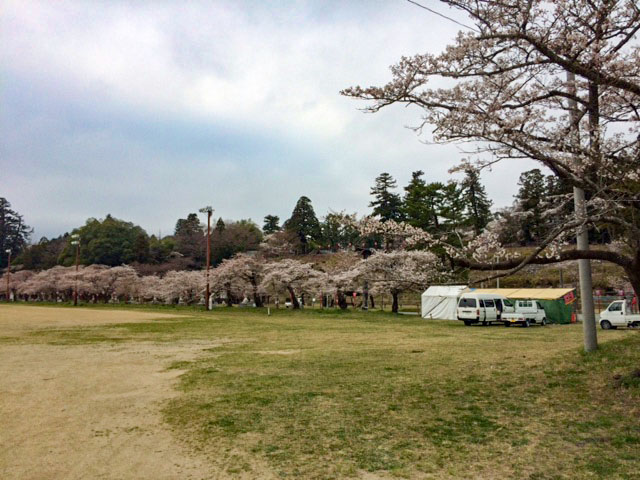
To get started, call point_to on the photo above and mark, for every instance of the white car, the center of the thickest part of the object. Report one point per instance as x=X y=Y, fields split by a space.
x=618 y=314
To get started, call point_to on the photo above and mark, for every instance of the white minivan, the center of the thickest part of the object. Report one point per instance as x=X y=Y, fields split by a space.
x=484 y=308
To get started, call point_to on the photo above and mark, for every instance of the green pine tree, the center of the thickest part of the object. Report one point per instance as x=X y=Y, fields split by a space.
x=477 y=204
x=271 y=224
x=530 y=199
x=14 y=233
x=387 y=204
x=304 y=223
x=422 y=202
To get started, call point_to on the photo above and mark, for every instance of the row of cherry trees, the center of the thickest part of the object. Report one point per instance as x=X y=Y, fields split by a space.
x=233 y=280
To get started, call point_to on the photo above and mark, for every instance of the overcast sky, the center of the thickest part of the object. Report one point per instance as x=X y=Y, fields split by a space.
x=151 y=110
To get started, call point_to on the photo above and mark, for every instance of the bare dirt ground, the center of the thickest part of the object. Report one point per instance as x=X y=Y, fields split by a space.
x=88 y=411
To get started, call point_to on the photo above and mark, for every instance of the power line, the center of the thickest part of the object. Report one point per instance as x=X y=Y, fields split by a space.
x=441 y=15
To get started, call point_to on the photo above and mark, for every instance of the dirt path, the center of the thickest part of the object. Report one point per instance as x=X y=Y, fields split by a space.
x=88 y=411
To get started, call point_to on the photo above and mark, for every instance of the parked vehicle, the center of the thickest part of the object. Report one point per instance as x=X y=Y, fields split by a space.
x=512 y=318
x=482 y=308
x=618 y=314
x=532 y=311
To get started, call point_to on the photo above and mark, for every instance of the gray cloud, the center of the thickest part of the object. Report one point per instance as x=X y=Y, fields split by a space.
x=149 y=110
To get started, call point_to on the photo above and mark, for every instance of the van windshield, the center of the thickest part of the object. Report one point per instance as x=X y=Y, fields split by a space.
x=467 y=302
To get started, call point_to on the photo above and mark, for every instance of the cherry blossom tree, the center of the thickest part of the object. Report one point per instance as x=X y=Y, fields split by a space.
x=183 y=286
x=242 y=272
x=150 y=288
x=228 y=280
x=400 y=271
x=290 y=276
x=553 y=81
x=16 y=281
x=121 y=282
x=47 y=285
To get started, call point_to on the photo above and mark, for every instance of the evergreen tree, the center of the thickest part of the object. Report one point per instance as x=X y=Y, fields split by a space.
x=235 y=237
x=14 y=233
x=160 y=249
x=337 y=233
x=190 y=237
x=415 y=209
x=387 y=204
x=422 y=202
x=220 y=226
x=434 y=199
x=530 y=199
x=452 y=207
x=44 y=254
x=108 y=242
x=304 y=223
x=271 y=224
x=477 y=205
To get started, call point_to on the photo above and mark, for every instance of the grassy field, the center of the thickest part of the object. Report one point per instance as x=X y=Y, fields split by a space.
x=373 y=395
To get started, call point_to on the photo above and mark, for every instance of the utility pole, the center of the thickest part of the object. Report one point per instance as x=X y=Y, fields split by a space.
x=8 y=273
x=582 y=237
x=208 y=210
x=76 y=241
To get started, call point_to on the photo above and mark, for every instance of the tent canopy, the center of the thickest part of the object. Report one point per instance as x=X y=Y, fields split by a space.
x=441 y=301
x=526 y=293
x=555 y=301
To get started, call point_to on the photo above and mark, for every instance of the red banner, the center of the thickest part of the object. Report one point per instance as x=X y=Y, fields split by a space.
x=569 y=298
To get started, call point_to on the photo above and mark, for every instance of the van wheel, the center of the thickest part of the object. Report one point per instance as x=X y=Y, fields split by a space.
x=543 y=322
x=605 y=325
x=507 y=324
x=467 y=323
x=485 y=323
x=526 y=323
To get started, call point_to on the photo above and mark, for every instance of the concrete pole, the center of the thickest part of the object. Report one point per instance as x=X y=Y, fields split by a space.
x=582 y=239
x=8 y=276
x=207 y=296
x=584 y=270
x=208 y=292
x=75 y=288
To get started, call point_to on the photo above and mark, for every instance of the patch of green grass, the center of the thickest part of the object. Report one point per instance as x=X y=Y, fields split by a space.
x=332 y=394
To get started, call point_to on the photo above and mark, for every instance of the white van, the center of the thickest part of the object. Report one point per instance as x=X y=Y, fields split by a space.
x=484 y=308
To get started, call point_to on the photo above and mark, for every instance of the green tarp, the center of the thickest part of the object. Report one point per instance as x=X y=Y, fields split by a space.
x=557 y=311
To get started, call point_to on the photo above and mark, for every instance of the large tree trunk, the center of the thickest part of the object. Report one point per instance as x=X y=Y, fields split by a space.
x=394 y=304
x=294 y=301
x=342 y=301
x=229 y=299
x=371 y=302
x=633 y=273
x=257 y=299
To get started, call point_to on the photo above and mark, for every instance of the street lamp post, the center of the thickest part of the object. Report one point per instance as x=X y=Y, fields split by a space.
x=76 y=241
x=8 y=273
x=208 y=210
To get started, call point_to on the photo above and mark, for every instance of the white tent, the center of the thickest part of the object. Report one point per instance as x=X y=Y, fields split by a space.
x=441 y=301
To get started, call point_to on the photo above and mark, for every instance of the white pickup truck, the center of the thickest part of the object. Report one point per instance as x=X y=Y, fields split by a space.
x=527 y=312
x=618 y=314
